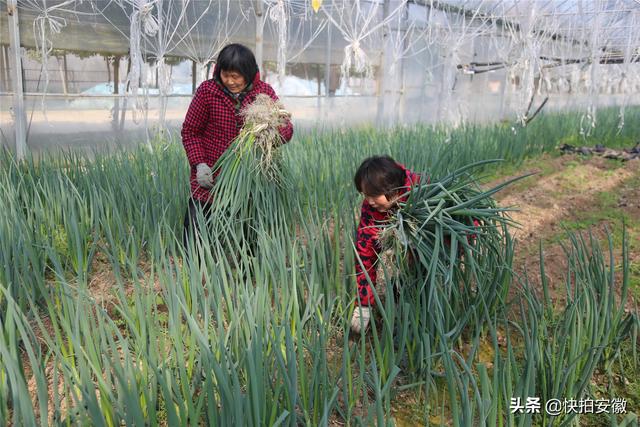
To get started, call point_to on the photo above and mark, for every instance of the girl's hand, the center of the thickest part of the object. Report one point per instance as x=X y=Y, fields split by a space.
x=360 y=319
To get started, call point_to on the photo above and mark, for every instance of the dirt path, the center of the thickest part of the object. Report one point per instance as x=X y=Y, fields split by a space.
x=574 y=194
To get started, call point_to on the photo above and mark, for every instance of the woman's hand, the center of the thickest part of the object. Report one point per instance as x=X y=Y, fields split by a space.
x=360 y=319
x=204 y=175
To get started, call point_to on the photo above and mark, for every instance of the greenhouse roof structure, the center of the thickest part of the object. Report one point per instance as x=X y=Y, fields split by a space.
x=104 y=25
x=425 y=60
x=613 y=24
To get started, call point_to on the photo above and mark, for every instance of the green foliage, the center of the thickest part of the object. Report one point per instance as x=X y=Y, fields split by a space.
x=208 y=335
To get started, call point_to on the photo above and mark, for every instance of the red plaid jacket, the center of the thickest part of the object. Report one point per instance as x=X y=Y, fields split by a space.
x=368 y=246
x=211 y=124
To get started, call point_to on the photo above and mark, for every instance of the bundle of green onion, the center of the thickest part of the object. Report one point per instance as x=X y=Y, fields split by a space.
x=451 y=252
x=442 y=221
x=251 y=187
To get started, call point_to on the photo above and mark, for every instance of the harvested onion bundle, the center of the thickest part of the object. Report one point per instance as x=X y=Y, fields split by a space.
x=446 y=220
x=263 y=119
x=251 y=186
x=450 y=254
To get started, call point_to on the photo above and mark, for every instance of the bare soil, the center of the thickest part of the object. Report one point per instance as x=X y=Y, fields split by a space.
x=578 y=195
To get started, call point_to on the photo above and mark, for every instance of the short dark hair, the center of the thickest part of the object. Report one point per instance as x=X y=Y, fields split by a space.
x=238 y=58
x=379 y=175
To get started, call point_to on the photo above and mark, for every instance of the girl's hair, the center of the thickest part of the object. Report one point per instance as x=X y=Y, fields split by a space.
x=379 y=175
x=238 y=58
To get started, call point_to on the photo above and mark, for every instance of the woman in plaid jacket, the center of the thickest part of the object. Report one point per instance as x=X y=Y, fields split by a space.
x=213 y=122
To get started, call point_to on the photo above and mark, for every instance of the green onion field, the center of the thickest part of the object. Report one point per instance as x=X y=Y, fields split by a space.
x=107 y=320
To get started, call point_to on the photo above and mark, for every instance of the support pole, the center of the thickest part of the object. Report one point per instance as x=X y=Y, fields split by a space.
x=327 y=63
x=63 y=75
x=383 y=69
x=4 y=81
x=116 y=91
x=260 y=20
x=116 y=74
x=66 y=70
x=401 y=98
x=18 y=89
x=194 y=76
x=323 y=105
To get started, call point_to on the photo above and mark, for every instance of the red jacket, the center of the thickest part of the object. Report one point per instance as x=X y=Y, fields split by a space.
x=211 y=124
x=368 y=246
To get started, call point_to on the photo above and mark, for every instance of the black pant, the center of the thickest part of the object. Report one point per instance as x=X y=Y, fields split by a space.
x=192 y=227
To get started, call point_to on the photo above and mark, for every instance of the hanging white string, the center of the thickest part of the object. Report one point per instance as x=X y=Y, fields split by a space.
x=356 y=24
x=355 y=58
x=149 y=22
x=45 y=26
x=278 y=15
x=304 y=26
x=141 y=7
x=199 y=40
x=407 y=38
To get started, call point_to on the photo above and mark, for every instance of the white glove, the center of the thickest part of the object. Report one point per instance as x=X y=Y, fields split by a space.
x=360 y=319
x=204 y=175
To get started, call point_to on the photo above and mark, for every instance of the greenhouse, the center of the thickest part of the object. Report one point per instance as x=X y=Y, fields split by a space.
x=320 y=212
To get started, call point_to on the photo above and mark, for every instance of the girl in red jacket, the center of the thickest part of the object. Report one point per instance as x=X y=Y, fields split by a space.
x=213 y=122
x=382 y=181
